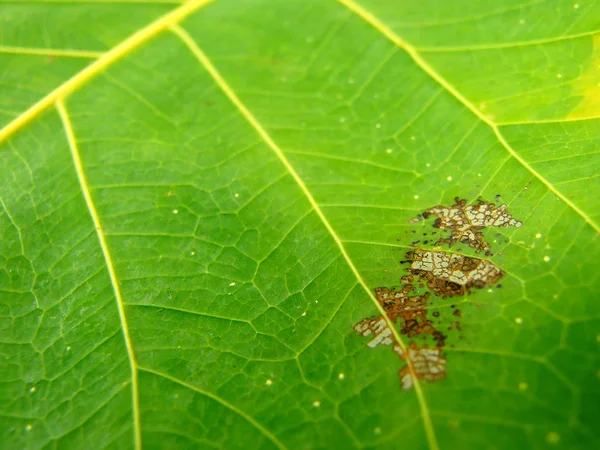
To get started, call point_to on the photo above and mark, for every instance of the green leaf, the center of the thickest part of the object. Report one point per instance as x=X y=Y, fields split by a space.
x=199 y=201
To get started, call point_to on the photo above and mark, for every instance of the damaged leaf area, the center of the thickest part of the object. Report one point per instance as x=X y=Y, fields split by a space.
x=428 y=364
x=442 y=274
x=466 y=222
x=451 y=274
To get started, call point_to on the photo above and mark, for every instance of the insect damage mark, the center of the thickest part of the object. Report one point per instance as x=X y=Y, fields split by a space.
x=411 y=309
x=399 y=303
x=378 y=328
x=428 y=363
x=450 y=274
x=466 y=222
x=443 y=274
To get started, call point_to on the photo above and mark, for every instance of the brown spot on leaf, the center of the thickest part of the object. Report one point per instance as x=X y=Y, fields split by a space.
x=378 y=328
x=465 y=222
x=399 y=303
x=450 y=274
x=427 y=363
x=445 y=275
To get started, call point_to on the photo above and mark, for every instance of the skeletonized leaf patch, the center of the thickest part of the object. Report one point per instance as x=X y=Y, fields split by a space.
x=442 y=274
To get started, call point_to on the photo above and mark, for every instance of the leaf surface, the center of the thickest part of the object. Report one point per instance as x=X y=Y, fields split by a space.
x=199 y=200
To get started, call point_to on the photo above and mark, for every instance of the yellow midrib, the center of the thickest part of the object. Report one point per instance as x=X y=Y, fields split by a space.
x=108 y=58
x=56 y=98
x=424 y=65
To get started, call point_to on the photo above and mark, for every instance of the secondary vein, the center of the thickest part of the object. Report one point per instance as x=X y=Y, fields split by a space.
x=64 y=115
x=424 y=65
x=223 y=402
x=50 y=52
x=228 y=91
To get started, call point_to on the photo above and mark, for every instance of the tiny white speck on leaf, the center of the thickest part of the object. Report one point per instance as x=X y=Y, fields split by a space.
x=546 y=258
x=32 y=389
x=341 y=376
x=304 y=314
x=559 y=75
x=490 y=290
x=28 y=427
x=232 y=283
x=478 y=174
x=316 y=403
x=518 y=320
x=175 y=211
x=269 y=382
x=416 y=197
x=192 y=253
x=428 y=165
x=538 y=235
x=68 y=348
x=316 y=301
x=576 y=6
x=449 y=178
x=389 y=150
x=523 y=386
x=236 y=195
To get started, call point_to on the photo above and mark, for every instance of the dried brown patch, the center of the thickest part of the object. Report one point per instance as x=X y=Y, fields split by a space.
x=428 y=364
x=378 y=328
x=399 y=303
x=451 y=275
x=445 y=275
x=465 y=222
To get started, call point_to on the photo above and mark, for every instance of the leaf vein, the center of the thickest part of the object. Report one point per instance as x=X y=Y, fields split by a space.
x=220 y=400
x=424 y=65
x=227 y=90
x=109 y=265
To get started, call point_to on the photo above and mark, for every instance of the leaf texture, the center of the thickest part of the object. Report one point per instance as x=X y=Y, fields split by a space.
x=199 y=201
